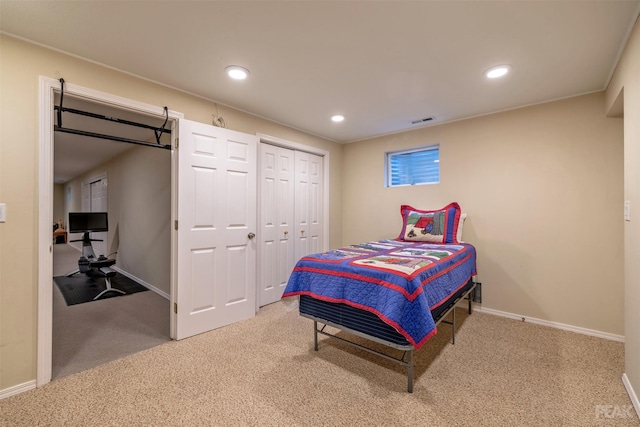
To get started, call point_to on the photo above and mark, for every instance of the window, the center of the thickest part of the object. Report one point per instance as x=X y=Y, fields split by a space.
x=415 y=166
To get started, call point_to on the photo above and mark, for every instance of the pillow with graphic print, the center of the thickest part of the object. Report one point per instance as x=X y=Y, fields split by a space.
x=438 y=226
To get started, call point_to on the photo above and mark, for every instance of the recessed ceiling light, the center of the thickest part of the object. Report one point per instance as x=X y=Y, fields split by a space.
x=337 y=118
x=497 y=71
x=236 y=72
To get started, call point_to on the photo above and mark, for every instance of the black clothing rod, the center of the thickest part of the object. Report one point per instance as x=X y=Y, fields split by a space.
x=111 y=119
x=156 y=130
x=110 y=137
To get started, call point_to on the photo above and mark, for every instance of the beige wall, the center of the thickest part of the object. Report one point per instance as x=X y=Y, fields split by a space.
x=542 y=187
x=21 y=64
x=139 y=207
x=626 y=81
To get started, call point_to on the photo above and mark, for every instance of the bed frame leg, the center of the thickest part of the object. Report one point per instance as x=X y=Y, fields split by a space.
x=410 y=372
x=315 y=335
x=453 y=327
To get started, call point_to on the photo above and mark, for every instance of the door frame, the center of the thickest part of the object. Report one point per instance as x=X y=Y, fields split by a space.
x=47 y=88
x=279 y=142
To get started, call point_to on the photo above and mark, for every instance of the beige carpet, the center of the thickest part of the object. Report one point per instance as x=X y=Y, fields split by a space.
x=264 y=371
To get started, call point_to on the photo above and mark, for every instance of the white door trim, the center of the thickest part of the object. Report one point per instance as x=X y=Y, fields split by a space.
x=47 y=86
x=313 y=150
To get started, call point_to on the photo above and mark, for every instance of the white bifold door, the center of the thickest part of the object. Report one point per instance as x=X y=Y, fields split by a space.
x=290 y=215
x=217 y=249
x=308 y=213
x=94 y=199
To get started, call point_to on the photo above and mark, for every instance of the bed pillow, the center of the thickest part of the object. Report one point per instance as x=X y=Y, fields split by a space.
x=438 y=226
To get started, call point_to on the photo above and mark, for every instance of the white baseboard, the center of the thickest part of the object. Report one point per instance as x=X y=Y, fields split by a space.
x=142 y=282
x=132 y=277
x=17 y=389
x=564 y=327
x=632 y=394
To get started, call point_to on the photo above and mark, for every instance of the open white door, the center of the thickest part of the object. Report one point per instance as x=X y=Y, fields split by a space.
x=216 y=211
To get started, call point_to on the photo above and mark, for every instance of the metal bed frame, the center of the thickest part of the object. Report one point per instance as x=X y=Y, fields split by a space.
x=472 y=294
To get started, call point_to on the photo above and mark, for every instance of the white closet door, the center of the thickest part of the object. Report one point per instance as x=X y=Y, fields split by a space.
x=277 y=182
x=315 y=204
x=216 y=225
x=94 y=199
x=99 y=204
x=308 y=200
x=86 y=197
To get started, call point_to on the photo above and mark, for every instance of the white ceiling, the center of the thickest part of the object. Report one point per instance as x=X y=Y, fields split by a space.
x=382 y=64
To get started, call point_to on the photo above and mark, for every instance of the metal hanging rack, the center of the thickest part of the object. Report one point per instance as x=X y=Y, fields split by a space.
x=157 y=131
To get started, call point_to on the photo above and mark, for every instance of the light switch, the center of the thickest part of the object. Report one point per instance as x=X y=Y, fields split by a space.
x=627 y=210
x=3 y=212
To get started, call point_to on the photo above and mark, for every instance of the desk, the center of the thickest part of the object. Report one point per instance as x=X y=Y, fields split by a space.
x=60 y=233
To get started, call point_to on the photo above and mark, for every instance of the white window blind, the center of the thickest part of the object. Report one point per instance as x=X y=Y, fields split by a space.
x=415 y=166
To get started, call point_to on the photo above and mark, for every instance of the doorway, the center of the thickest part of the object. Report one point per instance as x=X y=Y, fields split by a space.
x=48 y=90
x=90 y=326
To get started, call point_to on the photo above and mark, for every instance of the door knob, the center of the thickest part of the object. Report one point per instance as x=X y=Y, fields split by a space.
x=251 y=235
x=286 y=232
x=302 y=231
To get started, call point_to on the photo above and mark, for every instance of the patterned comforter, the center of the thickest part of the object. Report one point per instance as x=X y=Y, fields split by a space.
x=398 y=281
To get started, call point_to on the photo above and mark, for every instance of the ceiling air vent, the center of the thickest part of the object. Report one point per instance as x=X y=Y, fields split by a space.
x=425 y=120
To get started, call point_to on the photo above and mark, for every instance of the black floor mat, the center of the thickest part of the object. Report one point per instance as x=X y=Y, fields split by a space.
x=81 y=288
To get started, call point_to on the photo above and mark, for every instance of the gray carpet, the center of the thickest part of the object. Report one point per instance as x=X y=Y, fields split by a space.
x=264 y=372
x=89 y=335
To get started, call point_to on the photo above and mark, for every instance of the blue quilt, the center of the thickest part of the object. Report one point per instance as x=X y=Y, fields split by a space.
x=400 y=282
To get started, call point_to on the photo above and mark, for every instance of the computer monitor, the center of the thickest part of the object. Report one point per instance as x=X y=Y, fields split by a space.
x=88 y=222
